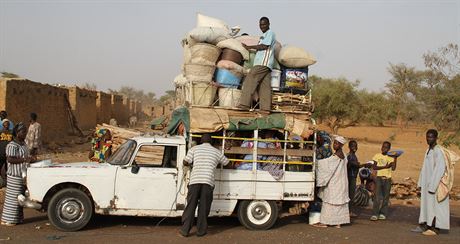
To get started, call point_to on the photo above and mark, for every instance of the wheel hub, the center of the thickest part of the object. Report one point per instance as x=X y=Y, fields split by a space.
x=259 y=212
x=70 y=210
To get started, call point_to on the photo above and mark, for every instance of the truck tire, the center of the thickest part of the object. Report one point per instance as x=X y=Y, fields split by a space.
x=70 y=209
x=258 y=214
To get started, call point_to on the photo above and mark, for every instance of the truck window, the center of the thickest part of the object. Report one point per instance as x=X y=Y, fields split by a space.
x=122 y=155
x=156 y=156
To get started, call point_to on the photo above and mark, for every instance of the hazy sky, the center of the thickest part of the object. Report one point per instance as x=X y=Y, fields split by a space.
x=137 y=43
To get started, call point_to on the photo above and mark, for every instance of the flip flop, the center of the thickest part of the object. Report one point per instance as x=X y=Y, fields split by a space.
x=429 y=233
x=319 y=225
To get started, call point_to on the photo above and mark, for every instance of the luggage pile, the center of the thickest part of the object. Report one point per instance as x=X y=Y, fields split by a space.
x=215 y=64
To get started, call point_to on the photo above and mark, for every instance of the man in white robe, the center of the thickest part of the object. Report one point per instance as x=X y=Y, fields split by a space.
x=434 y=215
x=332 y=177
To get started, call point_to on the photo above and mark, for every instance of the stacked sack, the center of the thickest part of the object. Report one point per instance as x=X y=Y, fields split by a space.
x=230 y=71
x=212 y=60
x=216 y=61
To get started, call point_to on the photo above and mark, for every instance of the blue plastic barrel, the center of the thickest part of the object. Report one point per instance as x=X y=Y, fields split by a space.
x=225 y=78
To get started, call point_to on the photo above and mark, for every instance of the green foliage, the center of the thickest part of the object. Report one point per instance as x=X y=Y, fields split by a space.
x=440 y=92
x=402 y=89
x=169 y=96
x=336 y=102
x=375 y=108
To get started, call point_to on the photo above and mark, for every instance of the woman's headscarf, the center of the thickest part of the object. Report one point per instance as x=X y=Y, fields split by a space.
x=19 y=126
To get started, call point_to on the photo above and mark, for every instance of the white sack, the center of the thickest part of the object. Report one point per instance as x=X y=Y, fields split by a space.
x=207 y=21
x=209 y=34
x=295 y=57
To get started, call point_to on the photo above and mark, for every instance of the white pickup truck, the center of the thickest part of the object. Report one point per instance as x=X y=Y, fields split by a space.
x=145 y=177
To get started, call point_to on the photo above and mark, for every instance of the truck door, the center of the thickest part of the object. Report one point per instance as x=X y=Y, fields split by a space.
x=150 y=182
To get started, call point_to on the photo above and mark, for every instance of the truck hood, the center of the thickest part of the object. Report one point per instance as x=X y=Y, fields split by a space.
x=71 y=165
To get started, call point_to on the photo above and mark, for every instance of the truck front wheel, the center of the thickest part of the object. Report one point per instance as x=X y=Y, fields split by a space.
x=70 y=209
x=258 y=214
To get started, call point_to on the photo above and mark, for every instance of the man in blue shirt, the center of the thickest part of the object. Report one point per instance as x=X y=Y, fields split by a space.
x=260 y=75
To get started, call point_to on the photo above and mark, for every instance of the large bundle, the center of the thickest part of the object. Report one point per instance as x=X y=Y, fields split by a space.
x=295 y=57
x=215 y=64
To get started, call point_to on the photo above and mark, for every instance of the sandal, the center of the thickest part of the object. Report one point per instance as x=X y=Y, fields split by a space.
x=429 y=233
x=8 y=224
x=319 y=225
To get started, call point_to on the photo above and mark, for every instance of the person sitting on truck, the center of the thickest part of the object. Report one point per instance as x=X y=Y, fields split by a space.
x=246 y=165
x=274 y=168
x=260 y=74
x=332 y=178
x=204 y=158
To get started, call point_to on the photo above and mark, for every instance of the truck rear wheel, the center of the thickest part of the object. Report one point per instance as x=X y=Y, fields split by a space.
x=70 y=209
x=258 y=214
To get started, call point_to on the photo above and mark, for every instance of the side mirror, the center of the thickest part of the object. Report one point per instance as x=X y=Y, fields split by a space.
x=135 y=168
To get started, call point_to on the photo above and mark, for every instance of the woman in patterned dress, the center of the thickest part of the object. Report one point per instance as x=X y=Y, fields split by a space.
x=17 y=157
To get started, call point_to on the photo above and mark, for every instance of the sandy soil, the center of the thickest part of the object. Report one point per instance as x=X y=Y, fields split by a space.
x=411 y=140
x=294 y=229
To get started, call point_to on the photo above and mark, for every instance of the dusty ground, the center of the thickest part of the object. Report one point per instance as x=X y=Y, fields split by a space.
x=410 y=140
x=293 y=229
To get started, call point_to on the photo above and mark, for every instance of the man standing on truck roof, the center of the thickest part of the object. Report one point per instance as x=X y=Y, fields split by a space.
x=260 y=74
x=204 y=158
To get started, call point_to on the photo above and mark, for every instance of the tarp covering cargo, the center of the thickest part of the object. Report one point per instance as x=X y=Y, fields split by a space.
x=208 y=120
x=272 y=121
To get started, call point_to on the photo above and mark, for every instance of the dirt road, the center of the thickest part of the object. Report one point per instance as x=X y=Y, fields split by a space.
x=292 y=229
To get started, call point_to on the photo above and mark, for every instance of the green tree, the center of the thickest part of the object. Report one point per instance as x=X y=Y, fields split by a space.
x=336 y=102
x=402 y=88
x=168 y=96
x=375 y=108
x=441 y=91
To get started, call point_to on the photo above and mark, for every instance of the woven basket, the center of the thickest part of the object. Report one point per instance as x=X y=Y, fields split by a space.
x=203 y=94
x=198 y=72
x=204 y=53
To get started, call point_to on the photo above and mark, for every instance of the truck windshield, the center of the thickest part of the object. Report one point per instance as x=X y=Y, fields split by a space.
x=122 y=155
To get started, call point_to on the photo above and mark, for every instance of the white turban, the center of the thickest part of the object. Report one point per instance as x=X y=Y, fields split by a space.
x=340 y=139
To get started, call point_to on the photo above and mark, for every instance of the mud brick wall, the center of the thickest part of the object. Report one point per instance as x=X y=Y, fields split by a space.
x=132 y=107
x=20 y=97
x=83 y=103
x=103 y=107
x=117 y=107
x=125 y=110
x=139 y=107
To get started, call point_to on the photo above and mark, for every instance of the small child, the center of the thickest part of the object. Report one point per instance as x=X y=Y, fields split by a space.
x=383 y=164
x=352 y=170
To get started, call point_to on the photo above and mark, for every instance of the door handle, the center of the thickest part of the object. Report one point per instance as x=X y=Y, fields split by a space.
x=170 y=173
